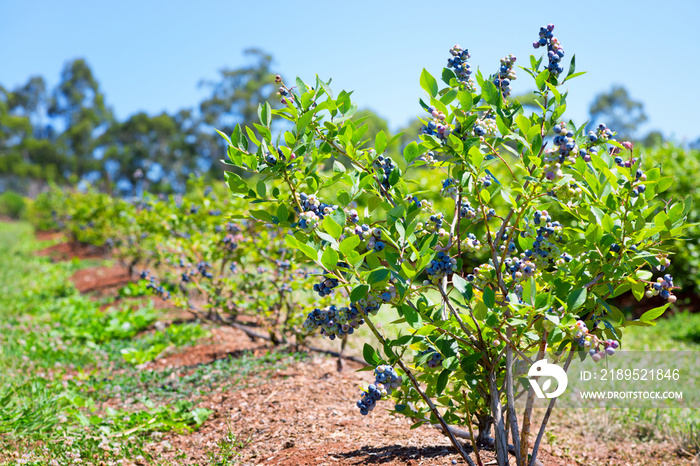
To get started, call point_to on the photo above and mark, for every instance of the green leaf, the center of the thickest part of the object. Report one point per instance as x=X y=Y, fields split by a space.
x=282 y=213
x=412 y=317
x=370 y=355
x=326 y=237
x=343 y=198
x=338 y=167
x=428 y=83
x=638 y=290
x=489 y=297
x=265 y=114
x=329 y=259
x=304 y=121
x=523 y=124
x=572 y=66
x=359 y=292
x=310 y=252
x=261 y=215
x=379 y=275
x=448 y=75
x=291 y=241
x=459 y=283
x=312 y=183
x=380 y=142
x=338 y=215
x=451 y=363
x=235 y=183
x=261 y=188
x=542 y=79
x=442 y=381
x=331 y=227
x=349 y=244
x=576 y=299
x=490 y=93
x=410 y=152
x=664 y=184
x=654 y=314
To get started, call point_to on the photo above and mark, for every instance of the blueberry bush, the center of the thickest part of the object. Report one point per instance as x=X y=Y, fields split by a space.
x=538 y=224
x=187 y=252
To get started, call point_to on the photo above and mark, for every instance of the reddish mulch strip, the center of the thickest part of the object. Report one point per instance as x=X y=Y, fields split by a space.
x=48 y=235
x=224 y=342
x=103 y=280
x=72 y=249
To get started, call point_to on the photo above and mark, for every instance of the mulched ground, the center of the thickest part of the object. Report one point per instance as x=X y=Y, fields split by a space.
x=106 y=281
x=68 y=250
x=305 y=414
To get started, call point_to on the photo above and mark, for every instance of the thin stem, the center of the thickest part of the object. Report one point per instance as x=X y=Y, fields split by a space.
x=536 y=446
x=510 y=402
x=471 y=432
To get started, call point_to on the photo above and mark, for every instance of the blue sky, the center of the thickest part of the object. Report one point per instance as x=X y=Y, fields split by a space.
x=150 y=55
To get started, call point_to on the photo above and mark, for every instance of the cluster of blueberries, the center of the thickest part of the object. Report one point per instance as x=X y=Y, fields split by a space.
x=597 y=348
x=352 y=216
x=413 y=200
x=554 y=50
x=485 y=126
x=458 y=62
x=313 y=210
x=505 y=75
x=450 y=188
x=663 y=262
x=437 y=126
x=375 y=242
x=386 y=380
x=434 y=358
x=436 y=221
x=602 y=132
x=428 y=158
x=466 y=210
x=271 y=160
x=154 y=285
x=519 y=268
x=471 y=244
x=565 y=149
x=203 y=268
x=386 y=166
x=373 y=236
x=566 y=192
x=485 y=181
x=333 y=321
x=338 y=322
x=230 y=242
x=564 y=139
x=544 y=250
x=327 y=284
x=440 y=267
x=481 y=274
x=662 y=287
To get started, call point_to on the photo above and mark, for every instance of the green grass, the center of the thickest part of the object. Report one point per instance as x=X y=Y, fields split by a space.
x=62 y=359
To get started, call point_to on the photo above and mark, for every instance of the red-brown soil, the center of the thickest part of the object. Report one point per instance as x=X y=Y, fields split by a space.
x=72 y=249
x=48 y=235
x=103 y=280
